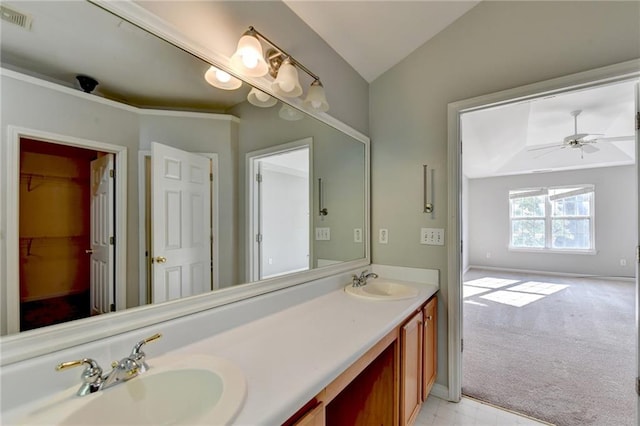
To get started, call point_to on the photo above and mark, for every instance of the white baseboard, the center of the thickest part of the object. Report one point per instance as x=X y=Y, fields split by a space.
x=440 y=391
x=561 y=274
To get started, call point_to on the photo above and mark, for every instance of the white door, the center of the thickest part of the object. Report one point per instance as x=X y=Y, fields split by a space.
x=180 y=206
x=102 y=235
x=638 y=251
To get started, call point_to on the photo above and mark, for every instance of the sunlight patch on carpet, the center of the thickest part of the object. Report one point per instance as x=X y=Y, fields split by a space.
x=490 y=282
x=539 y=287
x=468 y=291
x=512 y=298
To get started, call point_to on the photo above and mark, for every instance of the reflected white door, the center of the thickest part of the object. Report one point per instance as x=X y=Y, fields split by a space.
x=102 y=234
x=638 y=251
x=180 y=210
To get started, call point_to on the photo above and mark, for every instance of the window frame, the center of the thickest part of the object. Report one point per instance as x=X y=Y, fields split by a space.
x=549 y=218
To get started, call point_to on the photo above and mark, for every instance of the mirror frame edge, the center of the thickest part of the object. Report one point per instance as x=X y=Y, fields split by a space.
x=33 y=343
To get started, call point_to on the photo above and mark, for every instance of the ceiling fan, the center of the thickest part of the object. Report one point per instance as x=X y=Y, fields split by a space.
x=582 y=141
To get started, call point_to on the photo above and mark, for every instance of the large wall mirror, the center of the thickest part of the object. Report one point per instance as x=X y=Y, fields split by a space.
x=221 y=198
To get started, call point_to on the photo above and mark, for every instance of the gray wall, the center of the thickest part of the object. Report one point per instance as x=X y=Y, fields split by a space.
x=614 y=214
x=495 y=46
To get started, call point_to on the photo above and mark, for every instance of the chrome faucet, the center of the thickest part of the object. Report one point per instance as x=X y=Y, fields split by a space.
x=127 y=368
x=359 y=281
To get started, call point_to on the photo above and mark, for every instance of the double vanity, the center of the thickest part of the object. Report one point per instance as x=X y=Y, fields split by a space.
x=329 y=360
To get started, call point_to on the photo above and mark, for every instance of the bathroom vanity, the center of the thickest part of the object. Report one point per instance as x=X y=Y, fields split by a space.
x=387 y=384
x=333 y=358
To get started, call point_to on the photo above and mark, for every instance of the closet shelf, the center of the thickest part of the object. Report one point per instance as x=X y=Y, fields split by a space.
x=28 y=242
x=30 y=177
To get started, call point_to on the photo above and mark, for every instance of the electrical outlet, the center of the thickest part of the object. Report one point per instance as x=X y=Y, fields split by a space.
x=383 y=236
x=432 y=236
x=357 y=235
x=323 y=234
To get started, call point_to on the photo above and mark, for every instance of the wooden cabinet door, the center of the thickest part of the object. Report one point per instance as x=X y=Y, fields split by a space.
x=314 y=417
x=411 y=369
x=430 y=361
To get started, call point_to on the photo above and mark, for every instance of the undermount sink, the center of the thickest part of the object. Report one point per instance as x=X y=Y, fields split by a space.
x=194 y=389
x=382 y=289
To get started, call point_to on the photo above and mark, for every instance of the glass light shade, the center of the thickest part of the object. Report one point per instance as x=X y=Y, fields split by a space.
x=287 y=83
x=248 y=58
x=316 y=98
x=289 y=113
x=221 y=79
x=260 y=99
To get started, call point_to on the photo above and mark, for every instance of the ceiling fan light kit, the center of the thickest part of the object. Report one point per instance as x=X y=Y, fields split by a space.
x=583 y=141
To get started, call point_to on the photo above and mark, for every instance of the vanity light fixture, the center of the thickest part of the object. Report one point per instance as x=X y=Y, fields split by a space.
x=249 y=60
x=316 y=98
x=289 y=113
x=260 y=99
x=221 y=79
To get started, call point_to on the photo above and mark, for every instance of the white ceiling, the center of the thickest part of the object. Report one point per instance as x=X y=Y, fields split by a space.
x=499 y=141
x=373 y=36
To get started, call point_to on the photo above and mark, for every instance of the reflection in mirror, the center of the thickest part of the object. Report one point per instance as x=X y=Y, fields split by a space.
x=141 y=191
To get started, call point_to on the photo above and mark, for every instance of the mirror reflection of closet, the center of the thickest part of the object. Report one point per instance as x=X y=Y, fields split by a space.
x=64 y=259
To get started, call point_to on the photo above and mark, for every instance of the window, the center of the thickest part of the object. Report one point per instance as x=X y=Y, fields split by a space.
x=558 y=219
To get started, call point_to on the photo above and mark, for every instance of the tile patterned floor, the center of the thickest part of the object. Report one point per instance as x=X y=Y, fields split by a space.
x=468 y=412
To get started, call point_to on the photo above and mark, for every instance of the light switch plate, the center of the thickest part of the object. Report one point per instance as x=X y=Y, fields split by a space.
x=357 y=235
x=432 y=236
x=323 y=234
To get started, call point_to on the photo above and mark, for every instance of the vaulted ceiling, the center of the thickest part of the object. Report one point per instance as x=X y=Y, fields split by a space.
x=527 y=137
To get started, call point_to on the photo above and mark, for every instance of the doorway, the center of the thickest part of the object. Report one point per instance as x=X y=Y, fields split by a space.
x=279 y=206
x=617 y=73
x=61 y=194
x=178 y=223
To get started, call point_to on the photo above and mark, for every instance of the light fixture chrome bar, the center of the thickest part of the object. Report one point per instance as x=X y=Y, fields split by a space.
x=323 y=210
x=283 y=52
x=428 y=207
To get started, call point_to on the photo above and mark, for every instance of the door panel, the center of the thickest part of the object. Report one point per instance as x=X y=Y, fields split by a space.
x=102 y=230
x=181 y=203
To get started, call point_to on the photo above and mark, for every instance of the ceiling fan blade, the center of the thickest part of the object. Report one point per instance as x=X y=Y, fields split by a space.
x=558 y=148
x=545 y=146
x=589 y=149
x=615 y=138
x=575 y=137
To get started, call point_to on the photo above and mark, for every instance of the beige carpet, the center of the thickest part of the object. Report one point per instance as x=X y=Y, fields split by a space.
x=558 y=349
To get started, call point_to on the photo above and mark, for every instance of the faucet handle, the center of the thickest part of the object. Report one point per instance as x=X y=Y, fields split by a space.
x=91 y=376
x=138 y=356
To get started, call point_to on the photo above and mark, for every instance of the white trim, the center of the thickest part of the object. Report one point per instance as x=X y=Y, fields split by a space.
x=440 y=391
x=550 y=273
x=12 y=165
x=606 y=75
x=251 y=212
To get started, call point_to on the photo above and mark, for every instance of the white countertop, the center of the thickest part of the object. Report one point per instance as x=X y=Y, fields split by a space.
x=290 y=356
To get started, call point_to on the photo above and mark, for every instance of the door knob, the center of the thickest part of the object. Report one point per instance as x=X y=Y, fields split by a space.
x=89 y=251
x=160 y=259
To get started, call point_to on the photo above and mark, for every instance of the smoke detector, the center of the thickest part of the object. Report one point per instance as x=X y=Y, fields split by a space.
x=15 y=17
x=87 y=83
